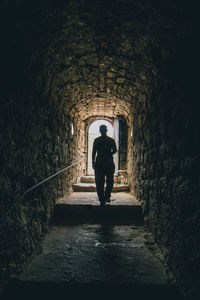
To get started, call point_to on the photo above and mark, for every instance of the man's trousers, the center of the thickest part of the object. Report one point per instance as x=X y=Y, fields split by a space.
x=102 y=172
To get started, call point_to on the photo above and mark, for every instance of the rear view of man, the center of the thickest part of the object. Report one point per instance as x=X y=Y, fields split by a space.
x=102 y=162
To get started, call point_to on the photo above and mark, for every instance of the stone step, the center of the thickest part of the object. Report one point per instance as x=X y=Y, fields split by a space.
x=91 y=198
x=80 y=207
x=91 y=179
x=91 y=187
x=113 y=214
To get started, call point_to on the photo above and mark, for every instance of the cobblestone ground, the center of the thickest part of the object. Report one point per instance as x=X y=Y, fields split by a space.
x=100 y=261
x=96 y=254
x=108 y=260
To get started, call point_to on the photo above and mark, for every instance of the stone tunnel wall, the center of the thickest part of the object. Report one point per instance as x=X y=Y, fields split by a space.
x=35 y=143
x=78 y=148
x=35 y=137
x=165 y=153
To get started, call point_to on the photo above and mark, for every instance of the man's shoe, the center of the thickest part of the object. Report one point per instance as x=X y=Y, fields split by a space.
x=102 y=203
x=108 y=200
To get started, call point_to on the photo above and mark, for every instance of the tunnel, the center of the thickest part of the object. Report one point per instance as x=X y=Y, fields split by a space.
x=133 y=63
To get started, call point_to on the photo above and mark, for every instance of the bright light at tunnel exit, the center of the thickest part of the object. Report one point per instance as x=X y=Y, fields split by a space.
x=94 y=127
x=94 y=133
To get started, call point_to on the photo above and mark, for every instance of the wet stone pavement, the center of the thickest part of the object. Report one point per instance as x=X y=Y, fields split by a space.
x=109 y=259
x=96 y=254
x=96 y=261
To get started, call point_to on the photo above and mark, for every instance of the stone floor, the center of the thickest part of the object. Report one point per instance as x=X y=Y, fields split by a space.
x=78 y=257
x=96 y=254
x=96 y=261
x=90 y=198
x=91 y=187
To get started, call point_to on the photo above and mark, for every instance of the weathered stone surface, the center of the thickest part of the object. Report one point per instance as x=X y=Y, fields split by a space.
x=65 y=248
x=101 y=261
x=166 y=181
x=91 y=187
x=91 y=179
x=85 y=198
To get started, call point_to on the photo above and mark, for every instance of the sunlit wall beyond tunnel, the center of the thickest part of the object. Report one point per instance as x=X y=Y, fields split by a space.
x=72 y=62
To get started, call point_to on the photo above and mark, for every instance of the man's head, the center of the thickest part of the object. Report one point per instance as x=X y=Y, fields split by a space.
x=103 y=129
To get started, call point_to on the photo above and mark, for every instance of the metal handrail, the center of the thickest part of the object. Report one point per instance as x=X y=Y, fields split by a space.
x=35 y=186
x=121 y=171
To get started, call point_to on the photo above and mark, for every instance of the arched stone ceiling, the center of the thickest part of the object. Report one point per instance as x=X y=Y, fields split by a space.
x=102 y=62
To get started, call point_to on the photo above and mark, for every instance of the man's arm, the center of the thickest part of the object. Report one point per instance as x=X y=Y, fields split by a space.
x=94 y=150
x=114 y=148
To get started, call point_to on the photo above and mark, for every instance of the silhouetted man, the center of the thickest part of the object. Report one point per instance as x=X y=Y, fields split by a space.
x=103 y=164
